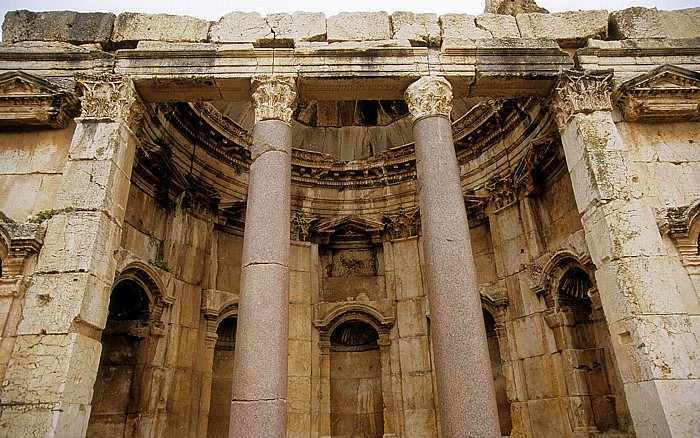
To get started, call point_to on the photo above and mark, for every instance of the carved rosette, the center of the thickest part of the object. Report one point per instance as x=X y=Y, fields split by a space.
x=112 y=97
x=581 y=93
x=429 y=96
x=274 y=98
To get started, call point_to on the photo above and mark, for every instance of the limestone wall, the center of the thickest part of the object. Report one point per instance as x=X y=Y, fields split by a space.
x=31 y=165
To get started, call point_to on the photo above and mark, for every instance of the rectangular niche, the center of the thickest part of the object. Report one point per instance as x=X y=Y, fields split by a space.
x=352 y=272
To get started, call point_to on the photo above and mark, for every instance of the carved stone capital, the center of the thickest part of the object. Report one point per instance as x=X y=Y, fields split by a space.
x=111 y=97
x=301 y=226
x=274 y=98
x=582 y=92
x=429 y=96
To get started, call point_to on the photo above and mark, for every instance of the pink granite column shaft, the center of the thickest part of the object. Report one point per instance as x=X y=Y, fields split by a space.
x=260 y=370
x=466 y=395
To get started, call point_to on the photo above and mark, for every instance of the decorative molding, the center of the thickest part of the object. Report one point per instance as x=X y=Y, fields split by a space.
x=301 y=226
x=27 y=99
x=429 y=96
x=664 y=94
x=19 y=241
x=682 y=225
x=112 y=97
x=348 y=226
x=274 y=98
x=582 y=92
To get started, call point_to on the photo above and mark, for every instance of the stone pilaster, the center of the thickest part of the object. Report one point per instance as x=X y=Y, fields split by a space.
x=467 y=400
x=640 y=287
x=260 y=371
x=67 y=304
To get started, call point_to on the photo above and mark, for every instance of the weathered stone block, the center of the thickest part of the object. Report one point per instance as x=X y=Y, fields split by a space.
x=419 y=29
x=512 y=7
x=300 y=26
x=240 y=27
x=571 y=28
x=640 y=23
x=65 y=367
x=461 y=26
x=81 y=241
x=56 y=301
x=359 y=26
x=131 y=26
x=68 y=26
x=499 y=26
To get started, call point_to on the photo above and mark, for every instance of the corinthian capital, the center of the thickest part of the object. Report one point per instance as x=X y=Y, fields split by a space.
x=110 y=97
x=274 y=98
x=429 y=96
x=582 y=92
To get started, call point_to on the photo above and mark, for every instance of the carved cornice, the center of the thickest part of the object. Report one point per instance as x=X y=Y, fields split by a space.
x=27 y=99
x=350 y=226
x=274 y=98
x=18 y=241
x=111 y=97
x=681 y=225
x=664 y=94
x=429 y=96
x=581 y=92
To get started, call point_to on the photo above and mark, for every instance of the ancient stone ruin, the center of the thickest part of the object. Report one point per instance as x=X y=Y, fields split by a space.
x=364 y=225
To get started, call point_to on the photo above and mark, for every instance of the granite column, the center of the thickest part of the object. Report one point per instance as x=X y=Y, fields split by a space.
x=260 y=370
x=466 y=396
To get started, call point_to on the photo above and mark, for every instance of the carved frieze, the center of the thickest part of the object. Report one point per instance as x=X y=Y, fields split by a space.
x=582 y=92
x=274 y=98
x=664 y=94
x=27 y=99
x=111 y=97
x=429 y=96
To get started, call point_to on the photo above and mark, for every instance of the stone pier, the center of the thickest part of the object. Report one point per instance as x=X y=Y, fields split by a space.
x=67 y=304
x=260 y=371
x=465 y=387
x=642 y=297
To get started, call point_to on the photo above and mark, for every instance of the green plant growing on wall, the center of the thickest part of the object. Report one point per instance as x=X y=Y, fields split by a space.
x=160 y=264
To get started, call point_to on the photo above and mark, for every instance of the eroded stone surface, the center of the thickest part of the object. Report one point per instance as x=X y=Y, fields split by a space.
x=359 y=26
x=568 y=28
x=639 y=22
x=461 y=26
x=68 y=26
x=419 y=29
x=500 y=26
x=131 y=26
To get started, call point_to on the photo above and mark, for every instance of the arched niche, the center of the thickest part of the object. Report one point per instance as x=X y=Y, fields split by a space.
x=119 y=406
x=356 y=390
x=593 y=398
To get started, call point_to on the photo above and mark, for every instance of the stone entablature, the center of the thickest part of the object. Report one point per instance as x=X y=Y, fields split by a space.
x=666 y=93
x=285 y=30
x=27 y=99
